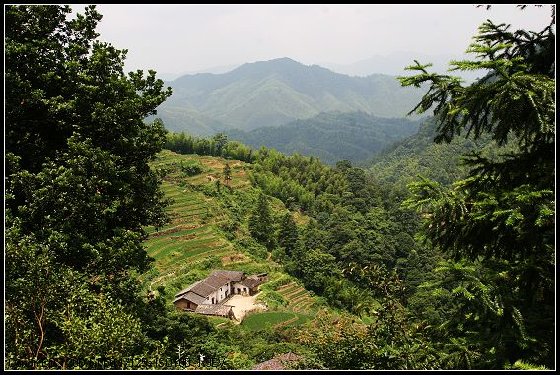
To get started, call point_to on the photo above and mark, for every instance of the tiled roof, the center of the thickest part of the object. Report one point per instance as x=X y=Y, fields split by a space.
x=250 y=282
x=193 y=297
x=215 y=281
x=188 y=288
x=203 y=289
x=231 y=275
x=209 y=285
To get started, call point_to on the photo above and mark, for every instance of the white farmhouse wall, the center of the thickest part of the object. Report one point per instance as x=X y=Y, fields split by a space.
x=220 y=294
x=213 y=295
x=242 y=288
x=223 y=292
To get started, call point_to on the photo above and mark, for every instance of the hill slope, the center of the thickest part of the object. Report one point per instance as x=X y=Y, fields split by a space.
x=420 y=155
x=275 y=92
x=331 y=137
x=199 y=237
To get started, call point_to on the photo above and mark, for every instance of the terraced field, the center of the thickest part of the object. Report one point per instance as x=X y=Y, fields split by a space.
x=299 y=299
x=191 y=236
x=300 y=309
x=275 y=319
x=212 y=169
x=186 y=238
x=183 y=247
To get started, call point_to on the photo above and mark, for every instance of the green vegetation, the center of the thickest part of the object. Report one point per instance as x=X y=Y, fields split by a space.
x=498 y=222
x=193 y=242
x=78 y=192
x=297 y=298
x=103 y=227
x=259 y=321
x=418 y=155
x=331 y=137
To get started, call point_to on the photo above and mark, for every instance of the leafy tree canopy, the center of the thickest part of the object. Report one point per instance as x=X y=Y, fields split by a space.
x=504 y=210
x=78 y=187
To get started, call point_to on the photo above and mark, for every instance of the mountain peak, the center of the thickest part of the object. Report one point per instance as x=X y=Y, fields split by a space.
x=277 y=91
x=271 y=66
x=283 y=60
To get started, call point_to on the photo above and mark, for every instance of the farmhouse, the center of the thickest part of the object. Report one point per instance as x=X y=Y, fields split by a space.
x=206 y=296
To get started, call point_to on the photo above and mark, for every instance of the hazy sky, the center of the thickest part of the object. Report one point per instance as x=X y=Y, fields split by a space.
x=188 y=38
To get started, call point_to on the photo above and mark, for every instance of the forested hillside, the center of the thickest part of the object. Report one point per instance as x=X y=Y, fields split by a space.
x=276 y=92
x=428 y=260
x=331 y=136
x=419 y=155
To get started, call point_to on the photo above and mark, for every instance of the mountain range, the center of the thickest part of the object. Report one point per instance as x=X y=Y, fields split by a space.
x=395 y=63
x=276 y=92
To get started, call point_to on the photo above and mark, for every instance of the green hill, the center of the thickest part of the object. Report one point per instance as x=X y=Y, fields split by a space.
x=199 y=236
x=420 y=155
x=331 y=137
x=276 y=92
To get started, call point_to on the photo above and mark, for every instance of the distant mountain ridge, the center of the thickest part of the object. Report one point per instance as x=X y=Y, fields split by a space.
x=395 y=63
x=276 y=92
x=331 y=137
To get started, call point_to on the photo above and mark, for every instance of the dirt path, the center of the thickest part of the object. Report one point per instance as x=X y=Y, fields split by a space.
x=243 y=304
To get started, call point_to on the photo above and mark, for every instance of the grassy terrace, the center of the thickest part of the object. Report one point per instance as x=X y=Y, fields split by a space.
x=259 y=321
x=191 y=237
x=298 y=298
x=191 y=245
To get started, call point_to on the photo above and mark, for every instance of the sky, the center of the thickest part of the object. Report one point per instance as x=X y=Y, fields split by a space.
x=177 y=39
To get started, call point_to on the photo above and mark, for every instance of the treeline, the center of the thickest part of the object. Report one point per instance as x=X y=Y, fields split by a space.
x=218 y=145
x=296 y=179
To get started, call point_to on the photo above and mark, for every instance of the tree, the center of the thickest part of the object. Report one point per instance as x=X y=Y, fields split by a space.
x=503 y=212
x=288 y=236
x=78 y=187
x=392 y=341
x=219 y=140
x=227 y=174
x=318 y=270
x=261 y=222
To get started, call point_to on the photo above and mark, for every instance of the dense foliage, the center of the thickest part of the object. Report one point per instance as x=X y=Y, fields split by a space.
x=419 y=155
x=331 y=136
x=218 y=145
x=78 y=191
x=498 y=222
